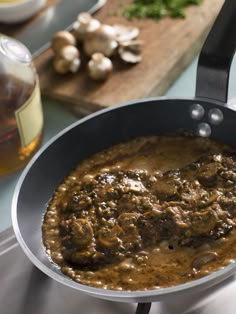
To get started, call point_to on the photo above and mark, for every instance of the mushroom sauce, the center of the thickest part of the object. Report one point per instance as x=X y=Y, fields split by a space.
x=150 y=213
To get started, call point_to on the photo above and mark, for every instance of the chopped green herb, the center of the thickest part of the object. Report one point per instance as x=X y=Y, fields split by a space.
x=156 y=9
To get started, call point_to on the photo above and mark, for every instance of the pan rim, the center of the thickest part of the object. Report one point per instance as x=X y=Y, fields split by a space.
x=123 y=296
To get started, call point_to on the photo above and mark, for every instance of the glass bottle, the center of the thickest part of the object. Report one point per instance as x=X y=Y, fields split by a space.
x=21 y=115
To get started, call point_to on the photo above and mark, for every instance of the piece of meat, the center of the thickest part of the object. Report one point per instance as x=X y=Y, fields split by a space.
x=149 y=227
x=207 y=174
x=113 y=214
x=165 y=188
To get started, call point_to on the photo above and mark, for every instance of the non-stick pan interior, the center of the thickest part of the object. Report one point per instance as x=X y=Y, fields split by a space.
x=86 y=137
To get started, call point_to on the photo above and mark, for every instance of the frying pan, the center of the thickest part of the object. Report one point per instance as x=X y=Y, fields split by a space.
x=206 y=115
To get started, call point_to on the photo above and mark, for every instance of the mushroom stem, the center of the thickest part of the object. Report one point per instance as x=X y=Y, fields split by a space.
x=74 y=66
x=85 y=25
x=99 y=67
x=84 y=19
x=102 y=40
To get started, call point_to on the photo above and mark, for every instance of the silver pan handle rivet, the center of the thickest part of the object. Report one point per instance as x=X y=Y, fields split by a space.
x=215 y=116
x=204 y=129
x=197 y=111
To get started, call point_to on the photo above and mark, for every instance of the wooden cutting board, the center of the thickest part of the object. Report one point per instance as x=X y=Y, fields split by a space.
x=169 y=46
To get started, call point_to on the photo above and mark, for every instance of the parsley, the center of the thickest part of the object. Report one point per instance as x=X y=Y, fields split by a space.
x=156 y=9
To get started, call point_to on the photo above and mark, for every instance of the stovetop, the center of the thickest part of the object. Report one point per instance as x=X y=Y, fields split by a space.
x=26 y=290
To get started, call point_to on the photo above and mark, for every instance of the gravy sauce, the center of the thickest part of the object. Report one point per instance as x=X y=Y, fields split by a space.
x=95 y=232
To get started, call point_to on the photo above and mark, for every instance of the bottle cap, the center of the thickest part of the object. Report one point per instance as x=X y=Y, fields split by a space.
x=15 y=50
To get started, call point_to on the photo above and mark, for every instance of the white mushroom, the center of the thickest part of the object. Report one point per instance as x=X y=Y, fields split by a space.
x=62 y=39
x=125 y=33
x=67 y=60
x=99 y=67
x=130 y=51
x=204 y=258
x=85 y=25
x=102 y=40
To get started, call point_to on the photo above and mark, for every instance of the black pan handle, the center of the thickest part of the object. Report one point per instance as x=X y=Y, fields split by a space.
x=216 y=56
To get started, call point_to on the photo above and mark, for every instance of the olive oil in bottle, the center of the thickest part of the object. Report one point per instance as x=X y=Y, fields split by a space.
x=21 y=116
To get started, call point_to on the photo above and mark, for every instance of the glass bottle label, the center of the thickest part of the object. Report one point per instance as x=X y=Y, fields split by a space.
x=29 y=118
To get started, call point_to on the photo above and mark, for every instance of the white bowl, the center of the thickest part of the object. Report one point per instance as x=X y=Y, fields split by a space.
x=19 y=11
